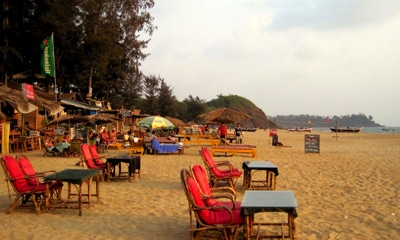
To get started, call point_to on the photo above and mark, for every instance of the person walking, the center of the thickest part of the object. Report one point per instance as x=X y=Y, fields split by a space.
x=238 y=134
x=222 y=132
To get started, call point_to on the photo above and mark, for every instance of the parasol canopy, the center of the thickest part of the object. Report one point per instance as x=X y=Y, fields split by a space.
x=156 y=122
x=223 y=115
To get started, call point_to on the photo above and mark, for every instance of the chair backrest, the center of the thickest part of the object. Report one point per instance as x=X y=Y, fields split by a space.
x=28 y=170
x=193 y=194
x=136 y=142
x=200 y=176
x=14 y=174
x=207 y=157
x=95 y=155
x=87 y=156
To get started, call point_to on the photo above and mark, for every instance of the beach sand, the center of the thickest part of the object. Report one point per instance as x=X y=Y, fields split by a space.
x=350 y=190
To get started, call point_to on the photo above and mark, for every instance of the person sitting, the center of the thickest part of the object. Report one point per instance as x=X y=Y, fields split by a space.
x=92 y=138
x=50 y=145
x=66 y=138
x=113 y=136
x=104 y=138
x=66 y=143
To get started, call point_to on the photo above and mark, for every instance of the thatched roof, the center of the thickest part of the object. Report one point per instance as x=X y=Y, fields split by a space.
x=16 y=99
x=223 y=115
x=177 y=122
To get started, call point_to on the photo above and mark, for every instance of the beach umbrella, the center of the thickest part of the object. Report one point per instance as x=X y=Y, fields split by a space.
x=223 y=115
x=156 y=122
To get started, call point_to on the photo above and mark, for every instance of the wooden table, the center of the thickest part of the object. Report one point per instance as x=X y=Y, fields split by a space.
x=271 y=172
x=132 y=161
x=76 y=178
x=266 y=202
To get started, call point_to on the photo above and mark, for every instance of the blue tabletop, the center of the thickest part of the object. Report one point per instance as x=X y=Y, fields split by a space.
x=269 y=201
x=260 y=165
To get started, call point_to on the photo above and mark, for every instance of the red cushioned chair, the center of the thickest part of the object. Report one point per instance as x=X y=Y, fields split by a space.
x=87 y=158
x=23 y=192
x=219 y=171
x=219 y=219
x=199 y=174
x=34 y=177
x=95 y=155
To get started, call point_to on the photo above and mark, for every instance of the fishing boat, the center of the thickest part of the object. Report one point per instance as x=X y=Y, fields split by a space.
x=299 y=129
x=249 y=129
x=345 y=129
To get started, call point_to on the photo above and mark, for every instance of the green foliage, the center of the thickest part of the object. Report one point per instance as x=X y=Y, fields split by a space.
x=354 y=120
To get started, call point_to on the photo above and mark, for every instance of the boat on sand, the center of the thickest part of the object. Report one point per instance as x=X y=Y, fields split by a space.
x=345 y=129
x=300 y=129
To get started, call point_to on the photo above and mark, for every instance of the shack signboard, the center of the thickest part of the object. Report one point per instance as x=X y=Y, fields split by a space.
x=311 y=143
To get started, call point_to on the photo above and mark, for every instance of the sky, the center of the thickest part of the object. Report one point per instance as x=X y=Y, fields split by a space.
x=288 y=57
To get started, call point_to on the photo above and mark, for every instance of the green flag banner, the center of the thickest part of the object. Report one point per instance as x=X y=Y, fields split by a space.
x=47 y=61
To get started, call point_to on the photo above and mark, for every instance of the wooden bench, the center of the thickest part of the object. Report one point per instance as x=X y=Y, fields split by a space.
x=234 y=150
x=200 y=139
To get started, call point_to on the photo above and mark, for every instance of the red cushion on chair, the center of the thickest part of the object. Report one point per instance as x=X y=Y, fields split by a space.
x=20 y=184
x=202 y=180
x=88 y=157
x=28 y=170
x=95 y=156
x=219 y=216
x=201 y=177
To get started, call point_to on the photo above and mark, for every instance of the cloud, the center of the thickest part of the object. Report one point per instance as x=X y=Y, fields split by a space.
x=331 y=14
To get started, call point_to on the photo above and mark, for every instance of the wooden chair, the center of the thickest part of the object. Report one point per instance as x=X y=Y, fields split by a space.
x=26 y=188
x=199 y=174
x=221 y=171
x=88 y=160
x=208 y=219
x=136 y=147
x=47 y=152
x=28 y=170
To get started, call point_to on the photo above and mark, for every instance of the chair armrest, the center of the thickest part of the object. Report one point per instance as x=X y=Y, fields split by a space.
x=225 y=190
x=221 y=196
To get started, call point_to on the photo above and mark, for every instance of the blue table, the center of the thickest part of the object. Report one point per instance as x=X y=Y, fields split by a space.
x=76 y=178
x=271 y=172
x=269 y=201
x=132 y=161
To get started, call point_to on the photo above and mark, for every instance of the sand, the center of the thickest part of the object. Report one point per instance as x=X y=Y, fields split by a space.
x=350 y=190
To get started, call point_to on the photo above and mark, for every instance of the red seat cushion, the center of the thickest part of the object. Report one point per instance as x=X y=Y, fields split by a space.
x=219 y=216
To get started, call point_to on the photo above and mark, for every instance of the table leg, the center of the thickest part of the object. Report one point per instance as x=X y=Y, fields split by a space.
x=47 y=196
x=98 y=188
x=79 y=198
x=89 y=183
x=130 y=165
x=292 y=227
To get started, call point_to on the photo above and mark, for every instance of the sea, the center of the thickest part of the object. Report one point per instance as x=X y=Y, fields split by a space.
x=383 y=130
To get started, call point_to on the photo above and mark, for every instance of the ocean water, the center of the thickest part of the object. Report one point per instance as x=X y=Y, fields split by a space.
x=383 y=130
